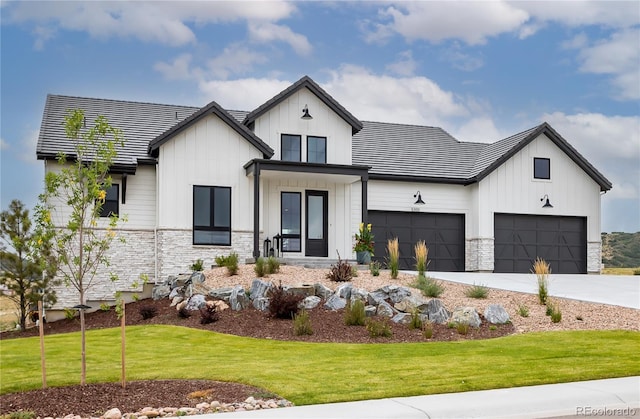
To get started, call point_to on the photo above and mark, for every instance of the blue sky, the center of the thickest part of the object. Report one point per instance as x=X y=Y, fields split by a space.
x=480 y=70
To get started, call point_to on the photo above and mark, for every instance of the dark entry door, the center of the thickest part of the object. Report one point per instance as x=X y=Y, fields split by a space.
x=317 y=224
x=520 y=239
x=443 y=234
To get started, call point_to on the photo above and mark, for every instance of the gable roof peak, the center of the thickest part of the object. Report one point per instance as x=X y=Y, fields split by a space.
x=319 y=92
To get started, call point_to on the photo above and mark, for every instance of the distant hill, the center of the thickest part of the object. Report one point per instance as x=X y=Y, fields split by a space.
x=621 y=250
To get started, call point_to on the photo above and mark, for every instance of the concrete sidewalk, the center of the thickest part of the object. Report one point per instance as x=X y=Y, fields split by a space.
x=618 y=397
x=620 y=290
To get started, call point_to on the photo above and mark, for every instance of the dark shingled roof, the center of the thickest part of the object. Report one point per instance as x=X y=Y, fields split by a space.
x=394 y=151
x=140 y=123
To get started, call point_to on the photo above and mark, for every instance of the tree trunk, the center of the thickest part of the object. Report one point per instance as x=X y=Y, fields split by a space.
x=83 y=374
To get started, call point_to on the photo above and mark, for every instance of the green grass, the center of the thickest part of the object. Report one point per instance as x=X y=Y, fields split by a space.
x=339 y=372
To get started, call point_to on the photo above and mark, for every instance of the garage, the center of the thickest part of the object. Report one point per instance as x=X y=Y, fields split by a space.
x=561 y=241
x=443 y=234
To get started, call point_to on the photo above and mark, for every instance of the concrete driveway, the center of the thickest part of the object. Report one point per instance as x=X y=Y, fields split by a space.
x=620 y=290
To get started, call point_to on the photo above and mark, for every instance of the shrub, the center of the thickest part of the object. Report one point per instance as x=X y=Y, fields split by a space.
x=523 y=310
x=209 y=314
x=354 y=314
x=374 y=268
x=283 y=304
x=379 y=329
x=183 y=313
x=70 y=313
x=105 y=307
x=302 y=324
x=421 y=253
x=428 y=330
x=493 y=327
x=556 y=314
x=260 y=267
x=232 y=264
x=221 y=260
x=273 y=265
x=148 y=312
x=416 y=321
x=354 y=271
x=20 y=414
x=549 y=309
x=542 y=271
x=341 y=271
x=462 y=328
x=428 y=286
x=198 y=266
x=477 y=291
x=393 y=249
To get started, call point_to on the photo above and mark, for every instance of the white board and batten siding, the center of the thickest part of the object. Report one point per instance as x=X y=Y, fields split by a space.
x=285 y=119
x=208 y=153
x=511 y=188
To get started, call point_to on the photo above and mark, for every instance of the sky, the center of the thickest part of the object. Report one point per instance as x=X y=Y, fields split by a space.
x=481 y=70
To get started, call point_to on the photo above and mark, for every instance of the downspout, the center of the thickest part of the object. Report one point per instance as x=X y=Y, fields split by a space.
x=256 y=210
x=155 y=230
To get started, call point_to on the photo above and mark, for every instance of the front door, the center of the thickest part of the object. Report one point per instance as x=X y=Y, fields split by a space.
x=317 y=225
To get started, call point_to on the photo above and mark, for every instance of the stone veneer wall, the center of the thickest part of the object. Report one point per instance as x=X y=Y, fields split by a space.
x=176 y=251
x=128 y=260
x=479 y=254
x=594 y=257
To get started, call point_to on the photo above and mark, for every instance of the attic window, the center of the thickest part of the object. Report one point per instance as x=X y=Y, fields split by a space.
x=541 y=168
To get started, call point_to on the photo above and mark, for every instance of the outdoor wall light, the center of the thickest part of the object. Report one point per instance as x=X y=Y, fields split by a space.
x=547 y=204
x=305 y=113
x=419 y=200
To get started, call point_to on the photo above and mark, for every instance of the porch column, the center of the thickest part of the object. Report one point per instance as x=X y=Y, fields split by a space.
x=365 y=211
x=256 y=210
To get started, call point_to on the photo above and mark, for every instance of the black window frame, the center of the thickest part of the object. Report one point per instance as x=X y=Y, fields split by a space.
x=282 y=146
x=212 y=226
x=107 y=210
x=546 y=171
x=289 y=235
x=315 y=137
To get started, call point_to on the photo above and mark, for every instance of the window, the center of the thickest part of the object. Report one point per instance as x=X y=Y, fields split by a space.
x=290 y=221
x=316 y=149
x=110 y=206
x=212 y=215
x=291 y=147
x=541 y=168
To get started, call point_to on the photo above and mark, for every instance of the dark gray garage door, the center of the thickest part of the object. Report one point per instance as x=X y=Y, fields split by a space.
x=443 y=234
x=561 y=241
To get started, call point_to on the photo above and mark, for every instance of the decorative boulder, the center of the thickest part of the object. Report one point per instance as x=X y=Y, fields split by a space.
x=436 y=311
x=304 y=290
x=160 y=291
x=385 y=309
x=359 y=294
x=322 y=291
x=398 y=293
x=181 y=305
x=196 y=302
x=411 y=303
x=218 y=304
x=466 y=315
x=335 y=302
x=496 y=314
x=176 y=292
x=370 y=311
x=261 y=303
x=258 y=289
x=176 y=300
x=197 y=278
x=238 y=299
x=401 y=318
x=112 y=414
x=221 y=293
x=310 y=302
x=344 y=290
x=374 y=298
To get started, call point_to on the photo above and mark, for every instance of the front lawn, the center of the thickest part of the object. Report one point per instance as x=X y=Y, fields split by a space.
x=309 y=373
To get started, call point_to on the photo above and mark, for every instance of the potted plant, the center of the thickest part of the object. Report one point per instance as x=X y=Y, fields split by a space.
x=364 y=244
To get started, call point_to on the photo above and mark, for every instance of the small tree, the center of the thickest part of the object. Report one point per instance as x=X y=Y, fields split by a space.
x=79 y=243
x=22 y=261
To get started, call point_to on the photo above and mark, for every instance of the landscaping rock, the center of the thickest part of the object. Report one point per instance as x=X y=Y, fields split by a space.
x=466 y=315
x=385 y=309
x=370 y=311
x=398 y=293
x=238 y=299
x=496 y=314
x=376 y=296
x=335 y=302
x=261 y=303
x=322 y=291
x=218 y=304
x=411 y=303
x=401 y=318
x=160 y=291
x=221 y=293
x=310 y=302
x=176 y=300
x=304 y=290
x=258 y=289
x=436 y=311
x=195 y=302
x=114 y=413
x=360 y=294
x=176 y=292
x=181 y=305
x=344 y=290
x=197 y=278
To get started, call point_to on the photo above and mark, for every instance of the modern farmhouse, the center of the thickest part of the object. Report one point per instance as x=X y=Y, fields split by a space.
x=303 y=172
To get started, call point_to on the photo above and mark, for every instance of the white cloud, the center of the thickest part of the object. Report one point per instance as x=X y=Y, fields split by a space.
x=242 y=94
x=610 y=143
x=618 y=56
x=27 y=149
x=4 y=145
x=478 y=129
x=404 y=66
x=179 y=69
x=265 y=32
x=234 y=60
x=461 y=60
x=577 y=42
x=159 y=21
x=471 y=22
x=616 y=14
